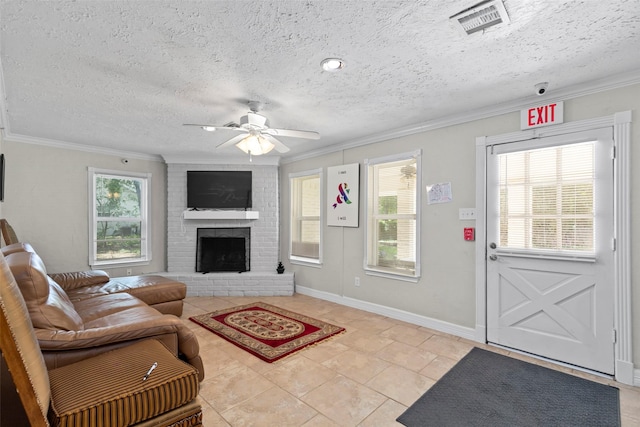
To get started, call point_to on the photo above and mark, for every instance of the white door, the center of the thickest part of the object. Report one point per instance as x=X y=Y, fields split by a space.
x=550 y=243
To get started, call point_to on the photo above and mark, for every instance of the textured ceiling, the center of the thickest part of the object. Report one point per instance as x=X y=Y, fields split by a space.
x=125 y=75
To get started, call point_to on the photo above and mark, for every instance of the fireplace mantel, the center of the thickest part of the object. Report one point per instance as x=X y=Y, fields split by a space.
x=213 y=214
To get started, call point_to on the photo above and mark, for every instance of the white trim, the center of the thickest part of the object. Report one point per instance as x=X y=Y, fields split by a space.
x=621 y=123
x=394 y=313
x=216 y=159
x=293 y=259
x=145 y=215
x=375 y=270
x=307 y=262
x=481 y=238
x=219 y=214
x=622 y=255
x=80 y=147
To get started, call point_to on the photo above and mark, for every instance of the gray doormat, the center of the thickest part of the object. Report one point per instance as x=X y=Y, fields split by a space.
x=489 y=389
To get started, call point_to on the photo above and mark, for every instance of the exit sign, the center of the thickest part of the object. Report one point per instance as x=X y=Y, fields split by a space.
x=542 y=115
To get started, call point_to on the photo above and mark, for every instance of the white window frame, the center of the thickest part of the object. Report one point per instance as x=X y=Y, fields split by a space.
x=369 y=235
x=145 y=218
x=313 y=262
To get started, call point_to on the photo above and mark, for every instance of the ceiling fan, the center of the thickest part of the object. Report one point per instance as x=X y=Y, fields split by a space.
x=256 y=136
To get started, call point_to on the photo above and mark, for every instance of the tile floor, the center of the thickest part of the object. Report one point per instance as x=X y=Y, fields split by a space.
x=366 y=376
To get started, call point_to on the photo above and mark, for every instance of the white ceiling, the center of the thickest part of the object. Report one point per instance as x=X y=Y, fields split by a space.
x=125 y=75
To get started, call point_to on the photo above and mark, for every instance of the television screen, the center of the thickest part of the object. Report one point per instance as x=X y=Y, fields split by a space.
x=219 y=189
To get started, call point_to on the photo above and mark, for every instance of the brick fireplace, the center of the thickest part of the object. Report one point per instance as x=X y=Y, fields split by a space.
x=182 y=236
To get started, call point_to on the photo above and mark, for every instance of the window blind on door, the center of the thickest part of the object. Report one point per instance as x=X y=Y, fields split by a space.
x=547 y=198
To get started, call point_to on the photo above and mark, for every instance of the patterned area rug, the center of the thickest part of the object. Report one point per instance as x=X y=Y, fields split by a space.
x=266 y=331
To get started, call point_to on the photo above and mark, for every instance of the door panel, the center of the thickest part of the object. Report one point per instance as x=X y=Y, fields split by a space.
x=549 y=257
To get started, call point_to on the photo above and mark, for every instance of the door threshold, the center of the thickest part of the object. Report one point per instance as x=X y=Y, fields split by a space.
x=554 y=361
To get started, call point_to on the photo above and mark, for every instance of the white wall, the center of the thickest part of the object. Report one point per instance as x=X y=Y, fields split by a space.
x=46 y=202
x=446 y=290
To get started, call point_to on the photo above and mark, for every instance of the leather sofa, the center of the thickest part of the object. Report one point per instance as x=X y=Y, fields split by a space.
x=163 y=294
x=116 y=388
x=79 y=315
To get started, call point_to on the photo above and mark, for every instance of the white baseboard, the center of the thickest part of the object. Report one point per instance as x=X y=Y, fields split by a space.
x=477 y=335
x=393 y=313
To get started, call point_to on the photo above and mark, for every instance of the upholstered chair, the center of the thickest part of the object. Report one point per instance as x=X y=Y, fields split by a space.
x=116 y=388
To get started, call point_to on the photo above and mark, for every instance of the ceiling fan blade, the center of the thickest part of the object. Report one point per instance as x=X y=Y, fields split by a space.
x=214 y=127
x=306 y=134
x=279 y=146
x=232 y=141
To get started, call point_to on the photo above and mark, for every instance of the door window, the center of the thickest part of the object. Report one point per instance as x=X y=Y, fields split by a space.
x=547 y=198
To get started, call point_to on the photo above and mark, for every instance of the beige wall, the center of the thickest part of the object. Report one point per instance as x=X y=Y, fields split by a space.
x=446 y=290
x=46 y=202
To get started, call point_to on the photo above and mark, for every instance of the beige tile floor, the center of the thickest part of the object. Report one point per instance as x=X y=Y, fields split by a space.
x=366 y=376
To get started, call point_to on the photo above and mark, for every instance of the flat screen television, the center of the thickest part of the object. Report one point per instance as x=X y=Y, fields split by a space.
x=219 y=190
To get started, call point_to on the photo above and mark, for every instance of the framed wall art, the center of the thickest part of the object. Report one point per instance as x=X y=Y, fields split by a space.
x=343 y=184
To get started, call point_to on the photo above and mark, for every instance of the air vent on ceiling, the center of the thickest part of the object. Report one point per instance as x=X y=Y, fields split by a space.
x=483 y=15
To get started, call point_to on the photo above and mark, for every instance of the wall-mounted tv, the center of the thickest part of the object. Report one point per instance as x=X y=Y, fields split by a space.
x=219 y=190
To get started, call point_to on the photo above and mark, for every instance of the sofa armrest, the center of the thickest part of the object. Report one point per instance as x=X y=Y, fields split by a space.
x=72 y=340
x=60 y=341
x=78 y=279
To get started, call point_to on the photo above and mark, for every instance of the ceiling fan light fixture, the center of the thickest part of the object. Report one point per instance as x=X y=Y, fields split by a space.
x=255 y=145
x=332 y=64
x=209 y=128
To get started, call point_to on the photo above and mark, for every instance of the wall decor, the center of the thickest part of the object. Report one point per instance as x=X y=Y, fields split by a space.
x=343 y=183
x=439 y=193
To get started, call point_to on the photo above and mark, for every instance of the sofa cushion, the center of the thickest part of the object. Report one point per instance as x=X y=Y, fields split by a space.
x=151 y=289
x=123 y=397
x=80 y=279
x=49 y=306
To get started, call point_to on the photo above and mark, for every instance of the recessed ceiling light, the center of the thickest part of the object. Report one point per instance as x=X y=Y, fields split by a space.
x=332 y=64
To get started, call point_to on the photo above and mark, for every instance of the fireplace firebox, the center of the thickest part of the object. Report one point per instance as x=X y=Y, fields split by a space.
x=223 y=250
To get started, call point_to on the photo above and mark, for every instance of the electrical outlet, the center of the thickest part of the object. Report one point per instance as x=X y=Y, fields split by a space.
x=466 y=214
x=129 y=272
x=357 y=281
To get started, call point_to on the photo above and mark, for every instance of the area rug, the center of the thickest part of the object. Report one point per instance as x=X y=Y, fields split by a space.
x=266 y=331
x=489 y=389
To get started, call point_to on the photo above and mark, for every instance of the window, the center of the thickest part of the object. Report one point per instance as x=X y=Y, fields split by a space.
x=547 y=198
x=393 y=198
x=306 y=217
x=119 y=218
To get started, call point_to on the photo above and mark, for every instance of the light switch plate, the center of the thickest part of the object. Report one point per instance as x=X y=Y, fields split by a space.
x=467 y=214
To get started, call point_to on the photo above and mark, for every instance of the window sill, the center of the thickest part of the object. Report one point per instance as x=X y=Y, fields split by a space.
x=115 y=263
x=307 y=262
x=392 y=276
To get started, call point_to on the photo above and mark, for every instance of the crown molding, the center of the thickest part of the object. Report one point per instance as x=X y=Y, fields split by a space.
x=222 y=160
x=575 y=91
x=8 y=136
